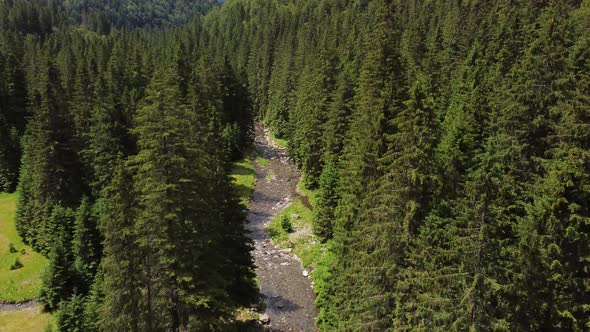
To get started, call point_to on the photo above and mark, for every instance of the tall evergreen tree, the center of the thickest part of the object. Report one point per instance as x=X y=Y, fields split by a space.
x=86 y=244
x=60 y=279
x=120 y=269
x=51 y=171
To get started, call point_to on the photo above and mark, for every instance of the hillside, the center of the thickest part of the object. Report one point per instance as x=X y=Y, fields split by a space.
x=445 y=146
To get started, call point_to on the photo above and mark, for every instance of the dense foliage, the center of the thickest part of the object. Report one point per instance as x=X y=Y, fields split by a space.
x=127 y=141
x=448 y=141
x=135 y=13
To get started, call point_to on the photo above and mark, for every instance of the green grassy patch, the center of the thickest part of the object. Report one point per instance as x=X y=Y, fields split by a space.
x=301 y=239
x=28 y=320
x=262 y=161
x=281 y=142
x=310 y=195
x=244 y=179
x=21 y=284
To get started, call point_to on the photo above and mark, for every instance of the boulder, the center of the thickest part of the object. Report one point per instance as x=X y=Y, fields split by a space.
x=305 y=273
x=264 y=319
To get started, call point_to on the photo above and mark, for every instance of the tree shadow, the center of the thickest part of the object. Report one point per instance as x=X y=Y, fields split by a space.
x=241 y=170
x=278 y=303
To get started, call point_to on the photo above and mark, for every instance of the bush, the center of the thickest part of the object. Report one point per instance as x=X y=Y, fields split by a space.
x=16 y=265
x=286 y=224
x=12 y=248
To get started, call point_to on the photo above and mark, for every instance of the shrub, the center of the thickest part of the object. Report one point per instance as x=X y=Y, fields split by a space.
x=12 y=248
x=286 y=224
x=16 y=265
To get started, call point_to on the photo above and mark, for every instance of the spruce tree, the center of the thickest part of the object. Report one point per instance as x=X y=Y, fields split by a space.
x=86 y=244
x=376 y=101
x=555 y=234
x=70 y=316
x=60 y=279
x=326 y=203
x=120 y=267
x=51 y=171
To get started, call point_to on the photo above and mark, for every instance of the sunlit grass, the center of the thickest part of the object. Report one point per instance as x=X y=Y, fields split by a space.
x=310 y=194
x=27 y=320
x=281 y=142
x=301 y=240
x=24 y=283
x=262 y=161
x=244 y=179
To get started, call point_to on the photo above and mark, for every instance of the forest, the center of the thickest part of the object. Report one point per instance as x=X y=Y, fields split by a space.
x=448 y=143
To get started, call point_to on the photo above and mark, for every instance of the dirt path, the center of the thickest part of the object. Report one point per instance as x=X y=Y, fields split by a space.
x=288 y=293
x=18 y=306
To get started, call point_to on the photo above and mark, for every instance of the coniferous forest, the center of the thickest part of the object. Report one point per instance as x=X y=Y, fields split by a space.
x=448 y=142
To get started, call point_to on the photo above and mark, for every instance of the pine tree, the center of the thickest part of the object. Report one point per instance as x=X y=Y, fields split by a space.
x=555 y=235
x=70 y=316
x=86 y=244
x=9 y=155
x=326 y=202
x=60 y=279
x=51 y=171
x=445 y=243
x=376 y=102
x=308 y=115
x=173 y=225
x=120 y=266
x=237 y=112
x=277 y=115
x=12 y=110
x=106 y=138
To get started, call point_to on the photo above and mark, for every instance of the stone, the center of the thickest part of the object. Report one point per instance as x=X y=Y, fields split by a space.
x=264 y=319
x=280 y=304
x=295 y=216
x=305 y=273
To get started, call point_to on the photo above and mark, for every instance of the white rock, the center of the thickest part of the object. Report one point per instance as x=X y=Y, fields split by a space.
x=264 y=319
x=305 y=273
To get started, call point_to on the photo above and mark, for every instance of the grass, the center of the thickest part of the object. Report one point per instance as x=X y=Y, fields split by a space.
x=301 y=240
x=262 y=161
x=281 y=142
x=28 y=320
x=22 y=284
x=310 y=194
x=244 y=178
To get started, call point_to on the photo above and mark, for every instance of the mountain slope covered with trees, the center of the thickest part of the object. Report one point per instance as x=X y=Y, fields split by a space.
x=448 y=142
